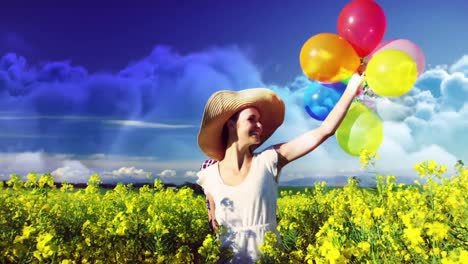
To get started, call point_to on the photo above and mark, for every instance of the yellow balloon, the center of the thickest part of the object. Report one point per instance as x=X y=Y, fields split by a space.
x=327 y=57
x=361 y=129
x=391 y=73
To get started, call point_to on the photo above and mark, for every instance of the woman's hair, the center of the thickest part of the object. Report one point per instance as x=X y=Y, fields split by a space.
x=225 y=134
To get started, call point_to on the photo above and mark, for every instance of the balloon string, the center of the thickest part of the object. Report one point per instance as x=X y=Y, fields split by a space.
x=366 y=90
x=363 y=60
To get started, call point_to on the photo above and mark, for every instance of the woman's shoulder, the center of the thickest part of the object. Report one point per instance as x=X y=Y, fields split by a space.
x=268 y=151
x=207 y=171
x=268 y=159
x=207 y=163
x=207 y=177
x=268 y=155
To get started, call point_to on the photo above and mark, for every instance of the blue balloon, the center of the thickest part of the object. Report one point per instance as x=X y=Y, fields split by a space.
x=320 y=98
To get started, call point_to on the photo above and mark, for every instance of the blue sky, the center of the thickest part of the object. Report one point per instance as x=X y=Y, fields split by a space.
x=119 y=89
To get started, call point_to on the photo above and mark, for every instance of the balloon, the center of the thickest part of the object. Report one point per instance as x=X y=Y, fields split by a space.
x=391 y=73
x=361 y=129
x=362 y=23
x=327 y=57
x=404 y=45
x=346 y=81
x=319 y=99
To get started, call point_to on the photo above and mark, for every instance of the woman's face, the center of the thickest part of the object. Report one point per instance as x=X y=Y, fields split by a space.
x=248 y=126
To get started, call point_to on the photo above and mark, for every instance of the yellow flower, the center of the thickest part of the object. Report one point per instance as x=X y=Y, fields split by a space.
x=364 y=246
x=420 y=169
x=386 y=228
x=407 y=257
x=27 y=230
x=406 y=218
x=88 y=241
x=443 y=168
x=431 y=166
x=378 y=211
x=413 y=235
x=438 y=231
x=366 y=157
x=463 y=255
x=44 y=249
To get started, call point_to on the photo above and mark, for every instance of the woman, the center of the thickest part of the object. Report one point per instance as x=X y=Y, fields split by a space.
x=242 y=185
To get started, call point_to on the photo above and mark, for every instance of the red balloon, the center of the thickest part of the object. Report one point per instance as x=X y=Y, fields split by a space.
x=362 y=23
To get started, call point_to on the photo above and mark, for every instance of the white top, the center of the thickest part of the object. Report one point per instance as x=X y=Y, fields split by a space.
x=247 y=210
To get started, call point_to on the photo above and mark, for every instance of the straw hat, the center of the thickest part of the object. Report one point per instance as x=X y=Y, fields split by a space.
x=223 y=104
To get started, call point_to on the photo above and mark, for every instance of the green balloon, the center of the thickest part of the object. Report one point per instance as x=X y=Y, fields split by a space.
x=361 y=129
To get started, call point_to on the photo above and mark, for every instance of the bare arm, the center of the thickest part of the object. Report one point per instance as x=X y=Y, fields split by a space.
x=210 y=205
x=310 y=140
x=211 y=213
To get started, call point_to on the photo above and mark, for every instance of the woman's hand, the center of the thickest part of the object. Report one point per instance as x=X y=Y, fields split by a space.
x=214 y=225
x=356 y=82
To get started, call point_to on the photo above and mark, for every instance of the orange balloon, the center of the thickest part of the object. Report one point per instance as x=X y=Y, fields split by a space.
x=329 y=58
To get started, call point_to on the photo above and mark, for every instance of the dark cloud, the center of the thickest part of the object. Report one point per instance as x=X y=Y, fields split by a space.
x=14 y=80
x=164 y=87
x=176 y=87
x=61 y=72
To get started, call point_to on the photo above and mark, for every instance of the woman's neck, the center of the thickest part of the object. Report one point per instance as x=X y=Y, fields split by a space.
x=236 y=156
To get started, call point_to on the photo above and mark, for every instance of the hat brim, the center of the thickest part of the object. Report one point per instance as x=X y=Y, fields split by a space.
x=224 y=104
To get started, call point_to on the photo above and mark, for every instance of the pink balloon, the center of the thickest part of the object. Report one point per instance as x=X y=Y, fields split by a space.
x=406 y=46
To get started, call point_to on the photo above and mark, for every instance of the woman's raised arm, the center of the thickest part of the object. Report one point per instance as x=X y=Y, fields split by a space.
x=310 y=140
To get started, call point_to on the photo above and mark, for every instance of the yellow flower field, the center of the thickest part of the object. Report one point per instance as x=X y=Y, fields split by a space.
x=392 y=223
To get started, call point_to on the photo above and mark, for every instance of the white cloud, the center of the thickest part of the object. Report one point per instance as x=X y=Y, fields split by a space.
x=398 y=132
x=454 y=91
x=129 y=171
x=292 y=175
x=97 y=156
x=424 y=110
x=23 y=163
x=461 y=66
x=76 y=169
x=190 y=174
x=167 y=173
x=394 y=159
x=431 y=80
x=389 y=110
x=141 y=124
x=125 y=175
x=72 y=171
